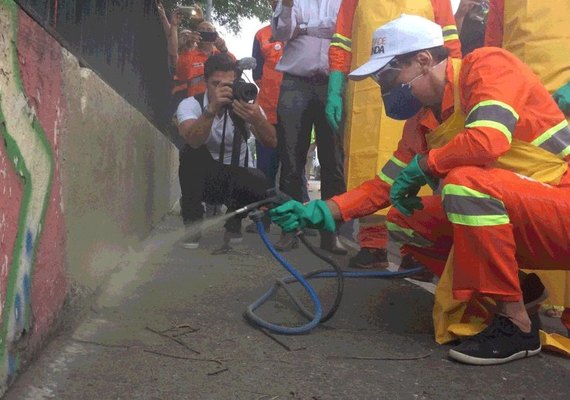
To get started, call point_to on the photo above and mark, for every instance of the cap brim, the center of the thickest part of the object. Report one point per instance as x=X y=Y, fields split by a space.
x=370 y=67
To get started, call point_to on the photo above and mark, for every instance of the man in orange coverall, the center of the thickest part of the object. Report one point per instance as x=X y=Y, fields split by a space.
x=498 y=143
x=371 y=142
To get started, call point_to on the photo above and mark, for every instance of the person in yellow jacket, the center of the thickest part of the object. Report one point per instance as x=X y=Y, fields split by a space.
x=537 y=33
x=370 y=137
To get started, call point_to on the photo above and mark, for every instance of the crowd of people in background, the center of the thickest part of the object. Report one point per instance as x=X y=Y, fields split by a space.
x=305 y=105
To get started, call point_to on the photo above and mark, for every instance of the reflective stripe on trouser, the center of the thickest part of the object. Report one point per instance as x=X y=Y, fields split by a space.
x=398 y=236
x=430 y=233
x=499 y=225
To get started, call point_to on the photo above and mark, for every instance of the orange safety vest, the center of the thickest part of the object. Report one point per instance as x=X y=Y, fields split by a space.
x=190 y=71
x=270 y=84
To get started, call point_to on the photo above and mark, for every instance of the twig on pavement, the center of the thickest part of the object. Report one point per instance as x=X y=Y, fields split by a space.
x=180 y=342
x=182 y=357
x=218 y=372
x=122 y=346
x=270 y=336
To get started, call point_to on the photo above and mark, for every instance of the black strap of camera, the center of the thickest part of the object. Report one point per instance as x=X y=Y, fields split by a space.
x=239 y=132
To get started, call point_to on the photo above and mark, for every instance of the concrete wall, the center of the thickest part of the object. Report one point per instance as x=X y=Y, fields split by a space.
x=83 y=177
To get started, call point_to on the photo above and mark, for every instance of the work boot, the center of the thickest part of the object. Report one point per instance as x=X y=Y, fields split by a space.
x=331 y=242
x=287 y=241
x=369 y=258
x=409 y=262
x=232 y=237
x=502 y=341
x=310 y=232
x=265 y=220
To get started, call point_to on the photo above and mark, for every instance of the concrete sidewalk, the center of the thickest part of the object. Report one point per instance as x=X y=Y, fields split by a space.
x=169 y=325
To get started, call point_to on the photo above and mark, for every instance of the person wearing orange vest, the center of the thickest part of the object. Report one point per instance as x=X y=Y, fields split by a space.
x=489 y=131
x=537 y=33
x=267 y=53
x=190 y=66
x=370 y=141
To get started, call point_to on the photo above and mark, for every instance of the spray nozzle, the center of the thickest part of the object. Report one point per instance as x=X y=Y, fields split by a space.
x=274 y=198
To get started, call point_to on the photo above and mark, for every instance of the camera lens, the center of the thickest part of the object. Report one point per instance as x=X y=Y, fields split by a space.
x=244 y=91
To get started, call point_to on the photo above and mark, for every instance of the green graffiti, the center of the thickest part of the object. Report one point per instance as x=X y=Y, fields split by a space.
x=30 y=153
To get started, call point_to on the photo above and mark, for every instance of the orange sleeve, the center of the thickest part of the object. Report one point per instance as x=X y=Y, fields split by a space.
x=494 y=87
x=340 y=50
x=443 y=16
x=494 y=28
x=374 y=194
x=183 y=66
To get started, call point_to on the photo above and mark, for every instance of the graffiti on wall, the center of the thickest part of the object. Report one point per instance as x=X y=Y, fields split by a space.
x=31 y=229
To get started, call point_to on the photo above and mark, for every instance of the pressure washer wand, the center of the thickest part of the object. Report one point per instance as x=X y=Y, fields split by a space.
x=275 y=197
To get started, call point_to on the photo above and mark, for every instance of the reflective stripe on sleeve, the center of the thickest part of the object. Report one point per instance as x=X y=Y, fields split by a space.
x=556 y=140
x=493 y=114
x=391 y=170
x=466 y=206
x=341 y=41
x=450 y=33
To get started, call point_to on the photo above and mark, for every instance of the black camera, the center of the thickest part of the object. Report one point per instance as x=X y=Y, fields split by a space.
x=243 y=90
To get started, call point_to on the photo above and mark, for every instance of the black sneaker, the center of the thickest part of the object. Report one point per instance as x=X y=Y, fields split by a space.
x=500 y=342
x=192 y=239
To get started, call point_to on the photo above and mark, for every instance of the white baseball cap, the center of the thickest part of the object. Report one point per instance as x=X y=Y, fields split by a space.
x=400 y=36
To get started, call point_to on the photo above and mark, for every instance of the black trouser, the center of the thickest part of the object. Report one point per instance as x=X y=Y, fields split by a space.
x=205 y=180
x=301 y=105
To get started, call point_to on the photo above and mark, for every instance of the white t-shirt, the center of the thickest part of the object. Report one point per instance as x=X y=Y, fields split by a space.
x=189 y=108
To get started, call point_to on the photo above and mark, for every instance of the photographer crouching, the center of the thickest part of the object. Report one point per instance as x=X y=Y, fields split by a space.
x=215 y=163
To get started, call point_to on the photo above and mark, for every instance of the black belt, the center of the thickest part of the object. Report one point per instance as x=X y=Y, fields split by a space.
x=317 y=79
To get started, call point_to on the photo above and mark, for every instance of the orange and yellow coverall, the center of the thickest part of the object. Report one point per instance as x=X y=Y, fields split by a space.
x=496 y=219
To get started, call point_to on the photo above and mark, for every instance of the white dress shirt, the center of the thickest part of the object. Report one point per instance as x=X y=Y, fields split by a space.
x=306 y=55
x=189 y=108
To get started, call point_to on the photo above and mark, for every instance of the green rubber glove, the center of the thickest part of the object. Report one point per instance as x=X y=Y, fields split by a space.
x=333 y=109
x=562 y=97
x=294 y=215
x=406 y=186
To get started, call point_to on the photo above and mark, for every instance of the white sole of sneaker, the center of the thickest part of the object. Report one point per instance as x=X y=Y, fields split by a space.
x=466 y=359
x=190 y=245
x=236 y=240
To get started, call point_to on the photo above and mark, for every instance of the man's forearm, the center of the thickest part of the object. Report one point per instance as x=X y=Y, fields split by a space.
x=173 y=45
x=197 y=134
x=335 y=211
x=265 y=133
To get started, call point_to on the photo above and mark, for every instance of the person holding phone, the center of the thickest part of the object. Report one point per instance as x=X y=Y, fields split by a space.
x=190 y=66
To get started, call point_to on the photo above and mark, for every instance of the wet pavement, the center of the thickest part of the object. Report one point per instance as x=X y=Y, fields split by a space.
x=168 y=325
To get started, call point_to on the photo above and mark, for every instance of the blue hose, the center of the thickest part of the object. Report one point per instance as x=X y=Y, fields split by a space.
x=297 y=277
x=274 y=327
